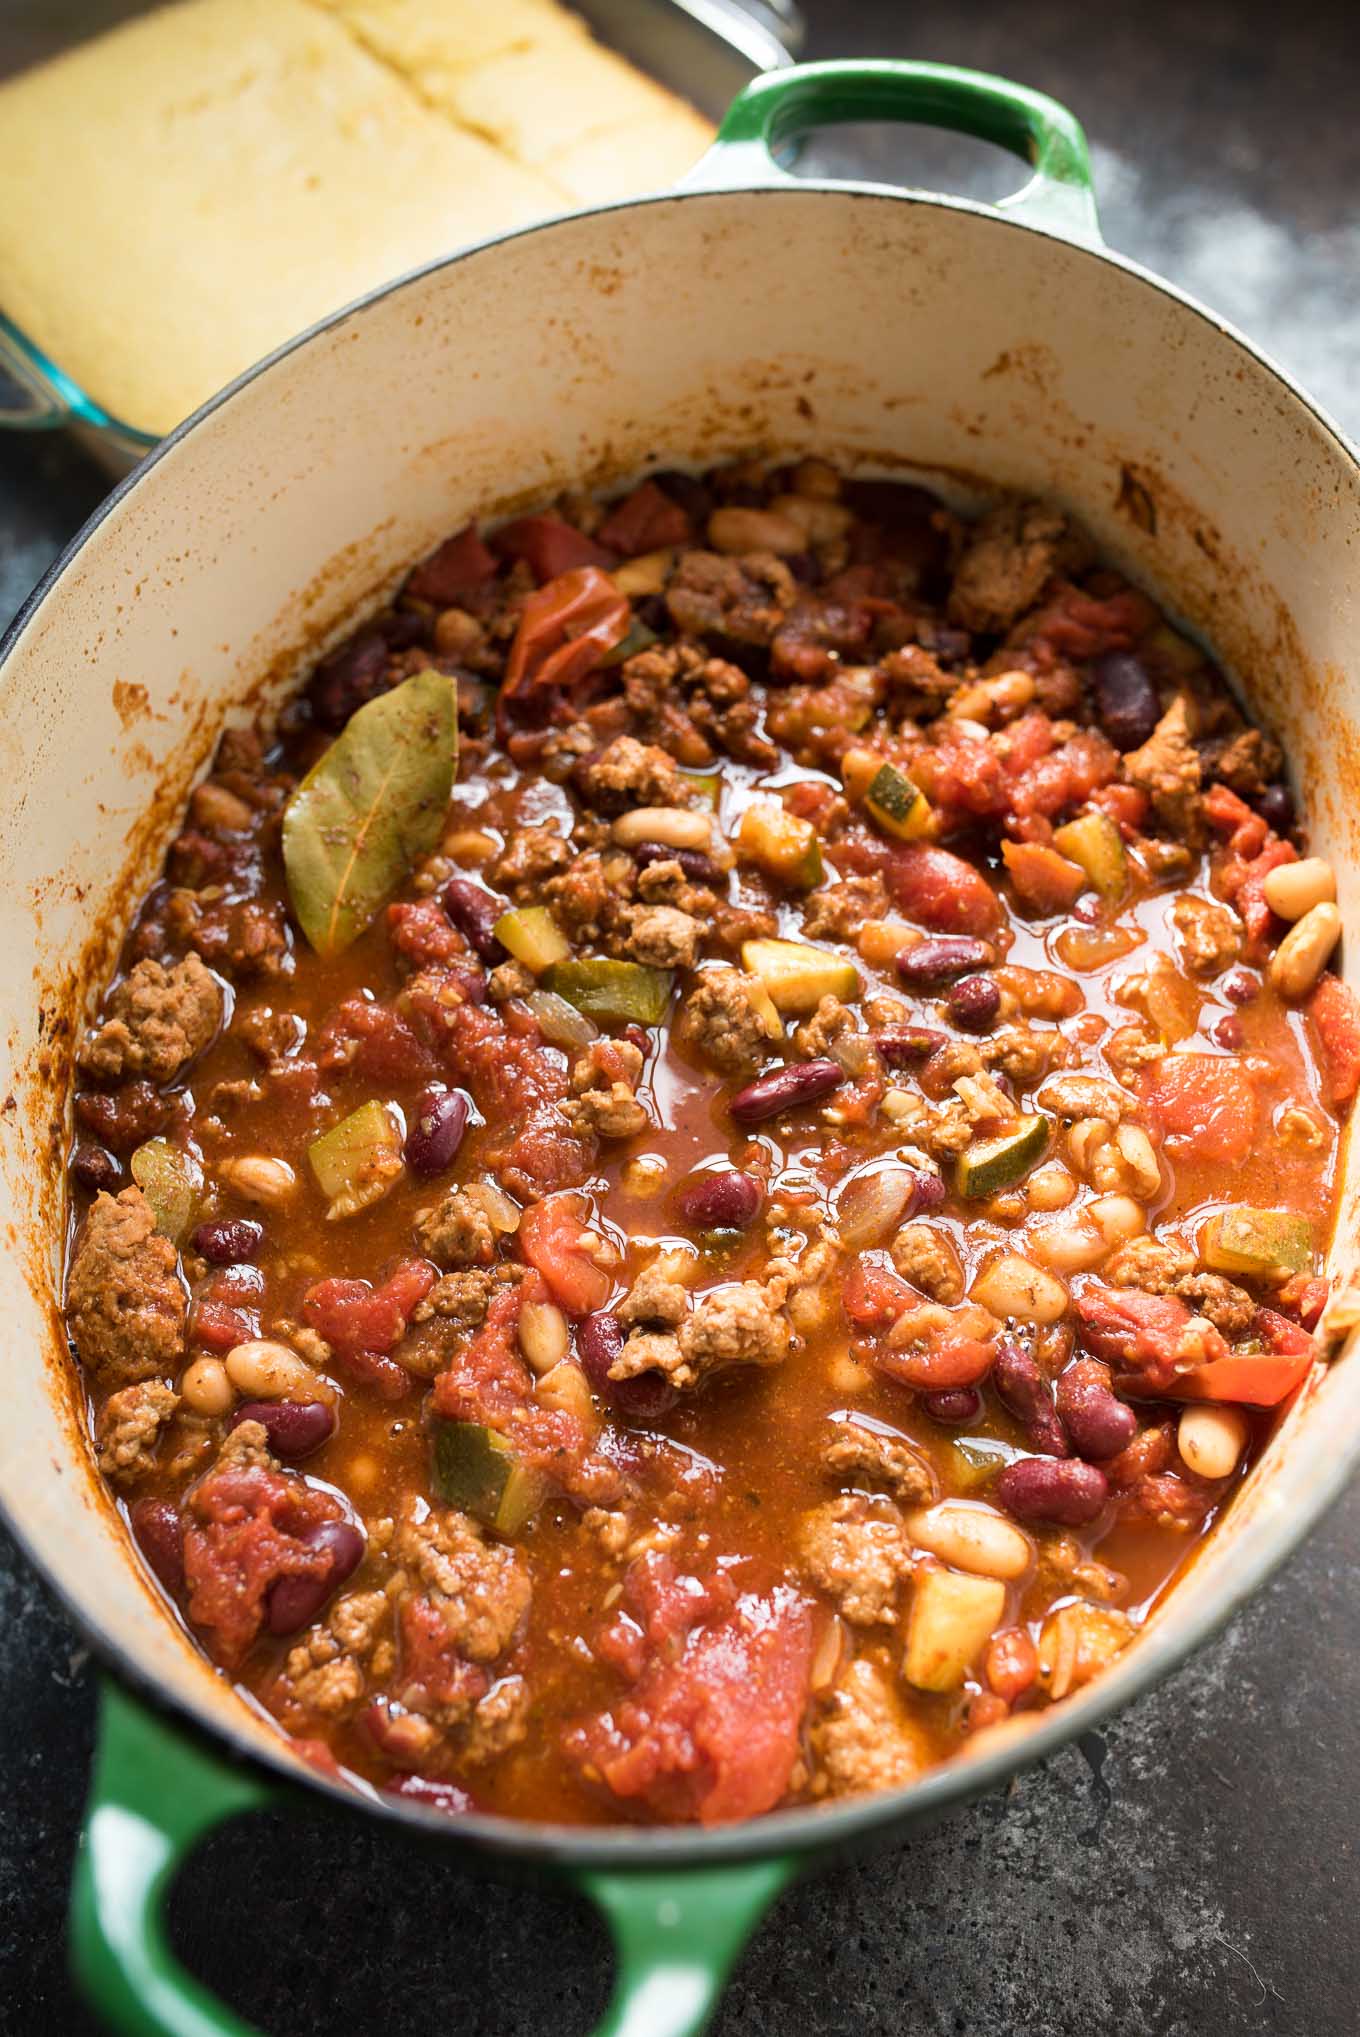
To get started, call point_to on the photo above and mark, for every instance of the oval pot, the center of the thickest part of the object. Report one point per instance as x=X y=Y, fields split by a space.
x=897 y=330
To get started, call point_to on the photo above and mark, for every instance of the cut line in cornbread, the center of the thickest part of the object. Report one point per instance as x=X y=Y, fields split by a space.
x=189 y=191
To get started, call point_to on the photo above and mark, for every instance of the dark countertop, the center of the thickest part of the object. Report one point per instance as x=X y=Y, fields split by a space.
x=1191 y=1869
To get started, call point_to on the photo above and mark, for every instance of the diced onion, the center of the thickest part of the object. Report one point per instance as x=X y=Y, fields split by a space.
x=559 y=1022
x=871 y=1205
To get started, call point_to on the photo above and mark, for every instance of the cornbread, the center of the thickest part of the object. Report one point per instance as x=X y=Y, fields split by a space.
x=184 y=194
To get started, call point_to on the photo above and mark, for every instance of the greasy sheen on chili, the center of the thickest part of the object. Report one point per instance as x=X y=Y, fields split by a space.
x=704 y=1172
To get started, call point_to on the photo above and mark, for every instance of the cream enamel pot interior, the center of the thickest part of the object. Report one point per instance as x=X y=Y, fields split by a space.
x=889 y=329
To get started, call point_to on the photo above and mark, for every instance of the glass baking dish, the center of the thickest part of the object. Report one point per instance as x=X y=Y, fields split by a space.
x=703 y=50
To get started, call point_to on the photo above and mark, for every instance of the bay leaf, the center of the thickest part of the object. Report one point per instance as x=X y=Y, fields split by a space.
x=369 y=808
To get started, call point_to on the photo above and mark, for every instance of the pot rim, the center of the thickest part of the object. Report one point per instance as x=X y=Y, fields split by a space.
x=803 y=1831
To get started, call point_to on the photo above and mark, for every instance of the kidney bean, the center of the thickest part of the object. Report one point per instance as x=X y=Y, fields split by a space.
x=599 y=1340
x=1099 y=1424
x=900 y=1046
x=784 y=1089
x=940 y=959
x=474 y=912
x=1241 y=987
x=94 y=1168
x=159 y=1534
x=226 y=1241
x=1024 y=1390
x=721 y=1202
x=1276 y=805
x=296 y=1427
x=342 y=683
x=294 y=1602
x=436 y=1131
x=639 y=1037
x=974 y=1003
x=1044 y=1489
x=1226 y=1032
x=954 y=1405
x=1126 y=700
x=699 y=868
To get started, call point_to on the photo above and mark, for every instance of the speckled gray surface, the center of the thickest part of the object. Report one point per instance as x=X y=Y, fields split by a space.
x=1193 y=1869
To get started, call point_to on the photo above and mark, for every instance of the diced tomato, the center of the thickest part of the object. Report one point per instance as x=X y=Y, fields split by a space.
x=461 y=564
x=489 y=1378
x=1079 y=626
x=226 y=1308
x=1255 y=1378
x=1248 y=891
x=1304 y=1297
x=1044 y=881
x=1243 y=830
x=548 y=546
x=645 y=521
x=962 y=774
x=712 y=1735
x=1064 y=779
x=549 y=1239
x=376 y=1041
x=1141 y=1332
x=1126 y=805
x=433 y=1676
x=422 y=932
x=355 y=1316
x=245 y=1528
x=873 y=1295
x=957 y=1352
x=1335 y=1012
x=940 y=891
x=564 y=630
x=1204 y=1106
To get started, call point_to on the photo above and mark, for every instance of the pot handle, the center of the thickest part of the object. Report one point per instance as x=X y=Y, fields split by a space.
x=781 y=104
x=676 y=1934
x=154 y=1794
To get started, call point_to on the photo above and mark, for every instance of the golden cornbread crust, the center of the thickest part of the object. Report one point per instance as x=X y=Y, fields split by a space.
x=185 y=193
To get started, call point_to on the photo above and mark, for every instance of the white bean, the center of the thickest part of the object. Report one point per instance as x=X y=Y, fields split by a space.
x=567 y=1389
x=543 y=1335
x=1305 y=951
x=1070 y=1244
x=1293 y=889
x=675 y=827
x=260 y=1178
x=1050 y=1188
x=261 y=1369
x=819 y=520
x=1211 y=1440
x=973 y=1538
x=1010 y=1286
x=754 y=530
x=206 y=1388
x=1117 y=1217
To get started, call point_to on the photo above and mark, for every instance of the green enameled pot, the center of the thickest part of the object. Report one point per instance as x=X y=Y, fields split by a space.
x=888 y=329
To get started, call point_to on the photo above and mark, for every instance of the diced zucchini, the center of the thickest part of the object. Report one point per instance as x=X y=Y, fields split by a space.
x=974 y=1461
x=892 y=800
x=779 y=843
x=475 y=1468
x=171 y=1180
x=952 y=1616
x=798 y=977
x=646 y=574
x=621 y=993
x=532 y=936
x=358 y=1160
x=990 y=1165
x=1258 y=1241
x=637 y=638
x=1094 y=844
